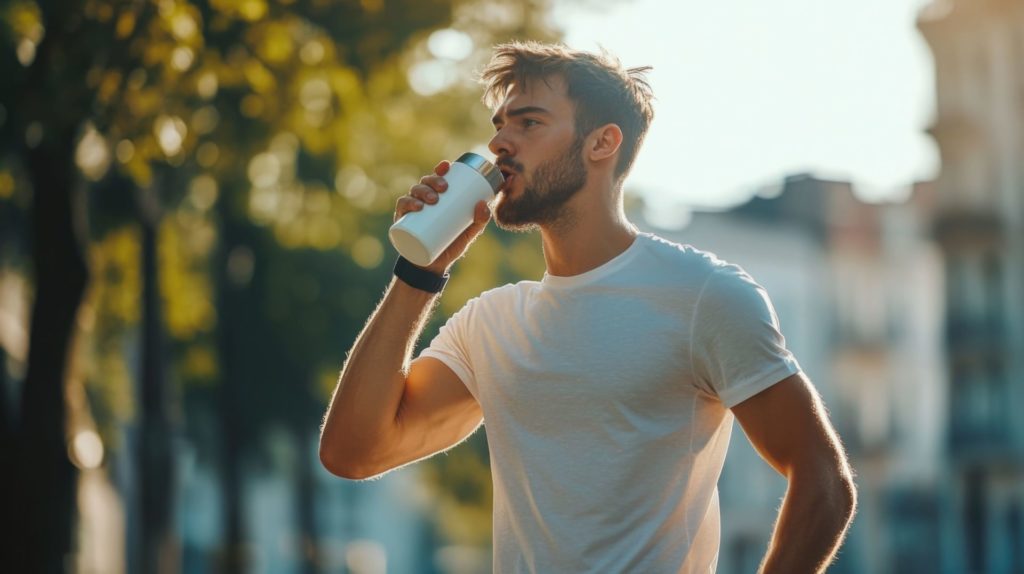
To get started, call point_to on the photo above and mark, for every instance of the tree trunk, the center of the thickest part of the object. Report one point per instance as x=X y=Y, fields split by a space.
x=155 y=456
x=230 y=312
x=305 y=487
x=8 y=478
x=45 y=499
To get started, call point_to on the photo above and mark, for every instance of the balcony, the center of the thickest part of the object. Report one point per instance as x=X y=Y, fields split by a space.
x=981 y=444
x=961 y=229
x=973 y=335
x=981 y=429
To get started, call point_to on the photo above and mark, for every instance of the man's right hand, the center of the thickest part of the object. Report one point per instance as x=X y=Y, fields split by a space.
x=428 y=192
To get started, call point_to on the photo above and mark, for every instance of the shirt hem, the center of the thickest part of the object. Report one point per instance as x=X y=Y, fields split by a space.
x=460 y=371
x=739 y=393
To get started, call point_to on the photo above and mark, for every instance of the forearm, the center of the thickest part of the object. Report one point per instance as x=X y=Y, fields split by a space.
x=813 y=520
x=369 y=390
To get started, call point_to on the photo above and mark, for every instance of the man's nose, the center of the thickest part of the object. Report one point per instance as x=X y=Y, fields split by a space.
x=500 y=144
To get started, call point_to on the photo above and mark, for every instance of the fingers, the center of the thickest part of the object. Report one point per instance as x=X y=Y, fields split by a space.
x=425 y=192
x=405 y=204
x=428 y=188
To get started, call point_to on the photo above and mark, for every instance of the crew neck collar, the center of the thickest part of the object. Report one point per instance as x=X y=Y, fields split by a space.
x=601 y=271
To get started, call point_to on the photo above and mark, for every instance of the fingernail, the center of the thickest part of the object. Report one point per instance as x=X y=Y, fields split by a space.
x=432 y=196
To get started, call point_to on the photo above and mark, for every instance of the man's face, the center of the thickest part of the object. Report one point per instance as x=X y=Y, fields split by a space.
x=539 y=152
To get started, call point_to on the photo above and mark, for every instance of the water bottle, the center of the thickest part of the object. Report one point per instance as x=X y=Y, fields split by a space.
x=421 y=236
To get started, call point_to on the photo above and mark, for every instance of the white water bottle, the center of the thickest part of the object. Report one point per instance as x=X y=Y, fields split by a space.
x=421 y=236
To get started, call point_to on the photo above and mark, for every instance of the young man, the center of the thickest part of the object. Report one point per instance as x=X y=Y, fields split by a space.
x=608 y=387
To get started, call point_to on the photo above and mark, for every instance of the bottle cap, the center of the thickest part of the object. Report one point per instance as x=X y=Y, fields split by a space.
x=487 y=169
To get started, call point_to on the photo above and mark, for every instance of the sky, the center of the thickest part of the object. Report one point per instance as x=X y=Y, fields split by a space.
x=748 y=91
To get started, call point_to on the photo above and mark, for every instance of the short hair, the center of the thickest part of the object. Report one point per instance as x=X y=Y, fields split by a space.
x=602 y=91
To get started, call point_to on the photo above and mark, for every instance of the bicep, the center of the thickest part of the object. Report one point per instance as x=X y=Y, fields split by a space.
x=788 y=425
x=437 y=411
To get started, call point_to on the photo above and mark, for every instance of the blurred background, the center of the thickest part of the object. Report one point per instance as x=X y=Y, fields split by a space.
x=194 y=197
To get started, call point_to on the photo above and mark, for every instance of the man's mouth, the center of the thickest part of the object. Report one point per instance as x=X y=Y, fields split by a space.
x=510 y=175
x=508 y=182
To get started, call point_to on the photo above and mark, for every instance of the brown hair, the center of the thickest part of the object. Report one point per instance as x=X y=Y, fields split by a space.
x=602 y=90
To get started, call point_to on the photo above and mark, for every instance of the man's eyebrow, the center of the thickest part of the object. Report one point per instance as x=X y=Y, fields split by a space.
x=520 y=112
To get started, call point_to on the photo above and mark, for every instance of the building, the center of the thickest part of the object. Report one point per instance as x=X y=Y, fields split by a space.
x=978 y=46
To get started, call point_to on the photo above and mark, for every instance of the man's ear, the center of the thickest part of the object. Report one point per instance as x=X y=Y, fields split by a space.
x=603 y=142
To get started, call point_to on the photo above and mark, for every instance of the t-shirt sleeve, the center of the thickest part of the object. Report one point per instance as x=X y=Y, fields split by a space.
x=451 y=345
x=737 y=348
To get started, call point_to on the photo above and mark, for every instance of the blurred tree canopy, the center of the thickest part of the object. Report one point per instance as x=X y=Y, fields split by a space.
x=251 y=152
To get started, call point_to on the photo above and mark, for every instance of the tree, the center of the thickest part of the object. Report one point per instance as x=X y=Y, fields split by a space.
x=45 y=87
x=198 y=107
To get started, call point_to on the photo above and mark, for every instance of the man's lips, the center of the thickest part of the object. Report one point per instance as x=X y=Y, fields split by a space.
x=509 y=172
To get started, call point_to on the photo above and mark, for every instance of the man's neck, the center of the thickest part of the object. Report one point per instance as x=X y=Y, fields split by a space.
x=593 y=231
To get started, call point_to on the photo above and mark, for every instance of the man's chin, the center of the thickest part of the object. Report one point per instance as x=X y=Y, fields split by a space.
x=510 y=222
x=516 y=227
x=508 y=218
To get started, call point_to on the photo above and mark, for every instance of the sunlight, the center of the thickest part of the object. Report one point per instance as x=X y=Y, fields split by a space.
x=87 y=449
x=170 y=132
x=450 y=44
x=92 y=156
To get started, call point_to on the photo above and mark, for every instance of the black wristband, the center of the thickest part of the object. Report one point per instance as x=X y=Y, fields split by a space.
x=419 y=278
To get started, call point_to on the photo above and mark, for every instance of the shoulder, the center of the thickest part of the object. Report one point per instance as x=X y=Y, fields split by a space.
x=507 y=292
x=714 y=282
x=499 y=298
x=731 y=295
x=683 y=260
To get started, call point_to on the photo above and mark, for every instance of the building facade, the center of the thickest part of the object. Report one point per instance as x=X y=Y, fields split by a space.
x=978 y=47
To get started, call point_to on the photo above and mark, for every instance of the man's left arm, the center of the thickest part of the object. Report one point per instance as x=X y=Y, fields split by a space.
x=788 y=425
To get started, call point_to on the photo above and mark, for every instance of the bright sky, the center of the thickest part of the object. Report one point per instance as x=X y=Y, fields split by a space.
x=751 y=90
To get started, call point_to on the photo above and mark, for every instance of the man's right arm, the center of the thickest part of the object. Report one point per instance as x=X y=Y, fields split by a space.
x=387 y=410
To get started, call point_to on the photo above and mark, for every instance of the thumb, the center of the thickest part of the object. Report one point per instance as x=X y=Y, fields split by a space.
x=481 y=215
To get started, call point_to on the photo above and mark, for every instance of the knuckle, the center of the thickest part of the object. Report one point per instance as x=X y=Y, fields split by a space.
x=433 y=183
x=405 y=204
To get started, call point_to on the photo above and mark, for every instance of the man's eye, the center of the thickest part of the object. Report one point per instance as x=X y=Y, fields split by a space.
x=530 y=123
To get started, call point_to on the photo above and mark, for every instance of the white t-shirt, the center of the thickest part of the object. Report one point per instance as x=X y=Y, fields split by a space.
x=605 y=397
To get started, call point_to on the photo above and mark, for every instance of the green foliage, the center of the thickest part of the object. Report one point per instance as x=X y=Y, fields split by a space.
x=295 y=123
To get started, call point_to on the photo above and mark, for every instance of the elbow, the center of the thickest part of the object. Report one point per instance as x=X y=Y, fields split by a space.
x=832 y=488
x=344 y=467
x=842 y=495
x=343 y=463
x=848 y=495
x=332 y=462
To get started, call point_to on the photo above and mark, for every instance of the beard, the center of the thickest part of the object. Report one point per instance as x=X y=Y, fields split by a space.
x=543 y=198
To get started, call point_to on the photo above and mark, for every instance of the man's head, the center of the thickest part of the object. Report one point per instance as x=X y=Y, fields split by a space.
x=550 y=102
x=602 y=91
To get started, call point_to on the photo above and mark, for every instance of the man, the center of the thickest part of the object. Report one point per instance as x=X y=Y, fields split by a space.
x=608 y=387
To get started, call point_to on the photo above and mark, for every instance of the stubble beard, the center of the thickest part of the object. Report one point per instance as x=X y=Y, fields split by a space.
x=543 y=198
